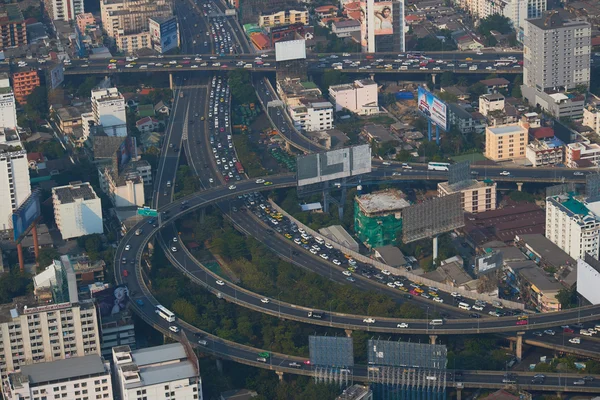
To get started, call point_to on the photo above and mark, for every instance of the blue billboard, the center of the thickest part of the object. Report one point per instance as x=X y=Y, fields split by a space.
x=433 y=108
x=24 y=216
x=165 y=33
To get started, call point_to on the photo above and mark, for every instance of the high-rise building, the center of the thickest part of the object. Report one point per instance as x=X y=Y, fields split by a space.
x=8 y=107
x=108 y=107
x=383 y=26
x=573 y=225
x=64 y=10
x=77 y=210
x=74 y=378
x=13 y=26
x=24 y=83
x=14 y=178
x=169 y=371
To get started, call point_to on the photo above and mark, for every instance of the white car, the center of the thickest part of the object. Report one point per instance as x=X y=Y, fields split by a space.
x=402 y=325
x=438 y=299
x=578 y=173
x=324 y=256
x=585 y=332
x=211 y=180
x=336 y=262
x=385 y=272
x=398 y=284
x=174 y=329
x=220 y=283
x=264 y=300
x=313 y=251
x=575 y=340
x=175 y=240
x=549 y=332
x=369 y=321
x=127 y=247
x=174 y=249
x=232 y=187
x=328 y=246
x=391 y=284
x=259 y=181
x=505 y=173
x=455 y=294
x=347 y=273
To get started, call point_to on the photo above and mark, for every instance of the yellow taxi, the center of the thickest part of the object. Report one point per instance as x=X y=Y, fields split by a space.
x=419 y=290
x=288 y=236
x=113 y=61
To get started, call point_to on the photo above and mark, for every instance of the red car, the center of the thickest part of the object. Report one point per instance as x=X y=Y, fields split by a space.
x=568 y=330
x=522 y=322
x=414 y=293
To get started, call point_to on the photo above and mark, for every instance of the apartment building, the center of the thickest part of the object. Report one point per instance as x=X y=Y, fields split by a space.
x=64 y=10
x=582 y=154
x=476 y=196
x=131 y=16
x=132 y=42
x=24 y=83
x=76 y=378
x=545 y=153
x=12 y=26
x=14 y=179
x=169 y=371
x=312 y=116
x=359 y=97
x=8 y=106
x=505 y=142
x=284 y=17
x=124 y=190
x=84 y=20
x=77 y=210
x=591 y=117
x=293 y=90
x=491 y=102
x=465 y=121
x=108 y=107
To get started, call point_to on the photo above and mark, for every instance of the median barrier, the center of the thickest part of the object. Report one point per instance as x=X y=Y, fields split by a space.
x=401 y=272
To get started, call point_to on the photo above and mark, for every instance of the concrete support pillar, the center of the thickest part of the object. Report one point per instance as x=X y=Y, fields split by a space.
x=20 y=255
x=433 y=78
x=458 y=394
x=171 y=86
x=559 y=395
x=36 y=244
x=519 y=350
x=279 y=375
x=435 y=249
x=348 y=332
x=219 y=363
x=520 y=186
x=432 y=339
x=288 y=146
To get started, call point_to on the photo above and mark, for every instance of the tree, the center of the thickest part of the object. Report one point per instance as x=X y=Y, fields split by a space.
x=37 y=103
x=242 y=90
x=331 y=77
x=447 y=97
x=429 y=149
x=567 y=297
x=447 y=79
x=521 y=197
x=386 y=148
x=86 y=87
x=495 y=22
x=477 y=89
x=47 y=256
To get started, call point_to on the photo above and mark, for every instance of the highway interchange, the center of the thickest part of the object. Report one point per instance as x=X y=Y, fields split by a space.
x=189 y=137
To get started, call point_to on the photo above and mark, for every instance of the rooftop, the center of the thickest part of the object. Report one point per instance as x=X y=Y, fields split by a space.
x=535 y=275
x=555 y=20
x=493 y=97
x=60 y=370
x=347 y=23
x=74 y=191
x=379 y=133
x=391 y=255
x=460 y=186
x=495 y=82
x=506 y=129
x=338 y=234
x=386 y=201
x=546 y=250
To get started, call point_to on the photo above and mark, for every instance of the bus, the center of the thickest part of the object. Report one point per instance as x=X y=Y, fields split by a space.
x=438 y=166
x=164 y=313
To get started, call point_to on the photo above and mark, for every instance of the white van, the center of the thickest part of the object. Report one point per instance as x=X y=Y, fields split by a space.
x=464 y=306
x=319 y=240
x=436 y=322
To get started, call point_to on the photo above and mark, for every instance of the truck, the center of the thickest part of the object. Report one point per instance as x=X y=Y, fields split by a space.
x=315 y=314
x=239 y=167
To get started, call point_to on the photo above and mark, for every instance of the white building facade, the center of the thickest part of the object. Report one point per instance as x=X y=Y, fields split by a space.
x=77 y=210
x=317 y=116
x=8 y=105
x=108 y=107
x=588 y=280
x=591 y=118
x=359 y=97
x=64 y=10
x=124 y=191
x=14 y=184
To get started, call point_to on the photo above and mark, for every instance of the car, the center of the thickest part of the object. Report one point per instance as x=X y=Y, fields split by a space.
x=264 y=300
x=505 y=173
x=324 y=256
x=585 y=332
x=139 y=302
x=385 y=272
x=268 y=183
x=402 y=325
x=350 y=279
x=264 y=354
x=578 y=173
x=347 y=273
x=220 y=283
x=568 y=330
x=579 y=382
x=174 y=249
x=232 y=187
x=538 y=334
x=549 y=332
x=455 y=294
x=369 y=321
x=438 y=299
x=588 y=378
x=336 y=261
x=575 y=340
x=313 y=251
x=211 y=180
x=260 y=181
x=175 y=240
x=474 y=315
x=174 y=328
x=391 y=284
x=127 y=247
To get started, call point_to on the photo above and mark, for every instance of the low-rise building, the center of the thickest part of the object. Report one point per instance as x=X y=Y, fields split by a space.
x=591 y=117
x=13 y=26
x=86 y=270
x=465 y=121
x=77 y=210
x=377 y=133
x=588 y=279
x=72 y=378
x=124 y=190
x=476 y=196
x=582 y=154
x=312 y=115
x=494 y=84
x=541 y=153
x=359 y=97
x=283 y=17
x=339 y=235
x=167 y=371
x=390 y=255
x=559 y=105
x=293 y=90
x=84 y=21
x=345 y=28
x=534 y=285
x=24 y=82
x=505 y=142
x=147 y=124
x=491 y=102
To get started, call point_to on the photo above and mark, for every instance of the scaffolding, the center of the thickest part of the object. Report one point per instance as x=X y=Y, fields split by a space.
x=376 y=231
x=398 y=383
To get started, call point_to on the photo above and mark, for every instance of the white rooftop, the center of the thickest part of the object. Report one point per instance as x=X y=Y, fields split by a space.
x=378 y=202
x=61 y=370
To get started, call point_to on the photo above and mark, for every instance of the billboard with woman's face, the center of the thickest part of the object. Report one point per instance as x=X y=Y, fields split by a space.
x=383 y=18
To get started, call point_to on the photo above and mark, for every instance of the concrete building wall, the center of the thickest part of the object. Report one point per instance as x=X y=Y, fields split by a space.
x=14 y=185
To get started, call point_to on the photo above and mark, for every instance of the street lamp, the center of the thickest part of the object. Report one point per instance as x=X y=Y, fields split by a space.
x=279 y=302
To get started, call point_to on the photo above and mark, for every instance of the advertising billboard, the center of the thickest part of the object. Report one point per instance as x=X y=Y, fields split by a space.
x=331 y=351
x=290 y=50
x=127 y=150
x=57 y=76
x=112 y=300
x=383 y=18
x=432 y=217
x=164 y=33
x=406 y=354
x=335 y=164
x=488 y=262
x=432 y=107
x=24 y=216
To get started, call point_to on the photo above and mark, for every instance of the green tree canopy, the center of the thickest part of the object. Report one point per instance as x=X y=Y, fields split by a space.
x=242 y=90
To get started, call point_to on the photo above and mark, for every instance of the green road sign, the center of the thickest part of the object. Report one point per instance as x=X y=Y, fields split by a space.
x=147 y=212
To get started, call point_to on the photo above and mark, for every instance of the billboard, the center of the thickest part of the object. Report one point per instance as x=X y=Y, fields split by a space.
x=334 y=164
x=57 y=76
x=112 y=300
x=432 y=217
x=331 y=351
x=127 y=151
x=383 y=18
x=290 y=50
x=164 y=33
x=433 y=108
x=406 y=354
x=488 y=262
x=24 y=216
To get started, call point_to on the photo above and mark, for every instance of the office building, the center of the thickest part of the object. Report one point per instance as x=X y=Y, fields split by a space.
x=8 y=106
x=169 y=371
x=359 y=97
x=108 y=107
x=556 y=59
x=14 y=178
x=505 y=142
x=383 y=26
x=64 y=10
x=476 y=196
x=289 y=16
x=77 y=210
x=52 y=325
x=13 y=26
x=24 y=83
x=75 y=378
x=573 y=225
x=312 y=116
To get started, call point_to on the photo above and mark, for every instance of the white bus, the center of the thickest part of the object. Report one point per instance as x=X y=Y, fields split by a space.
x=464 y=306
x=438 y=166
x=164 y=313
